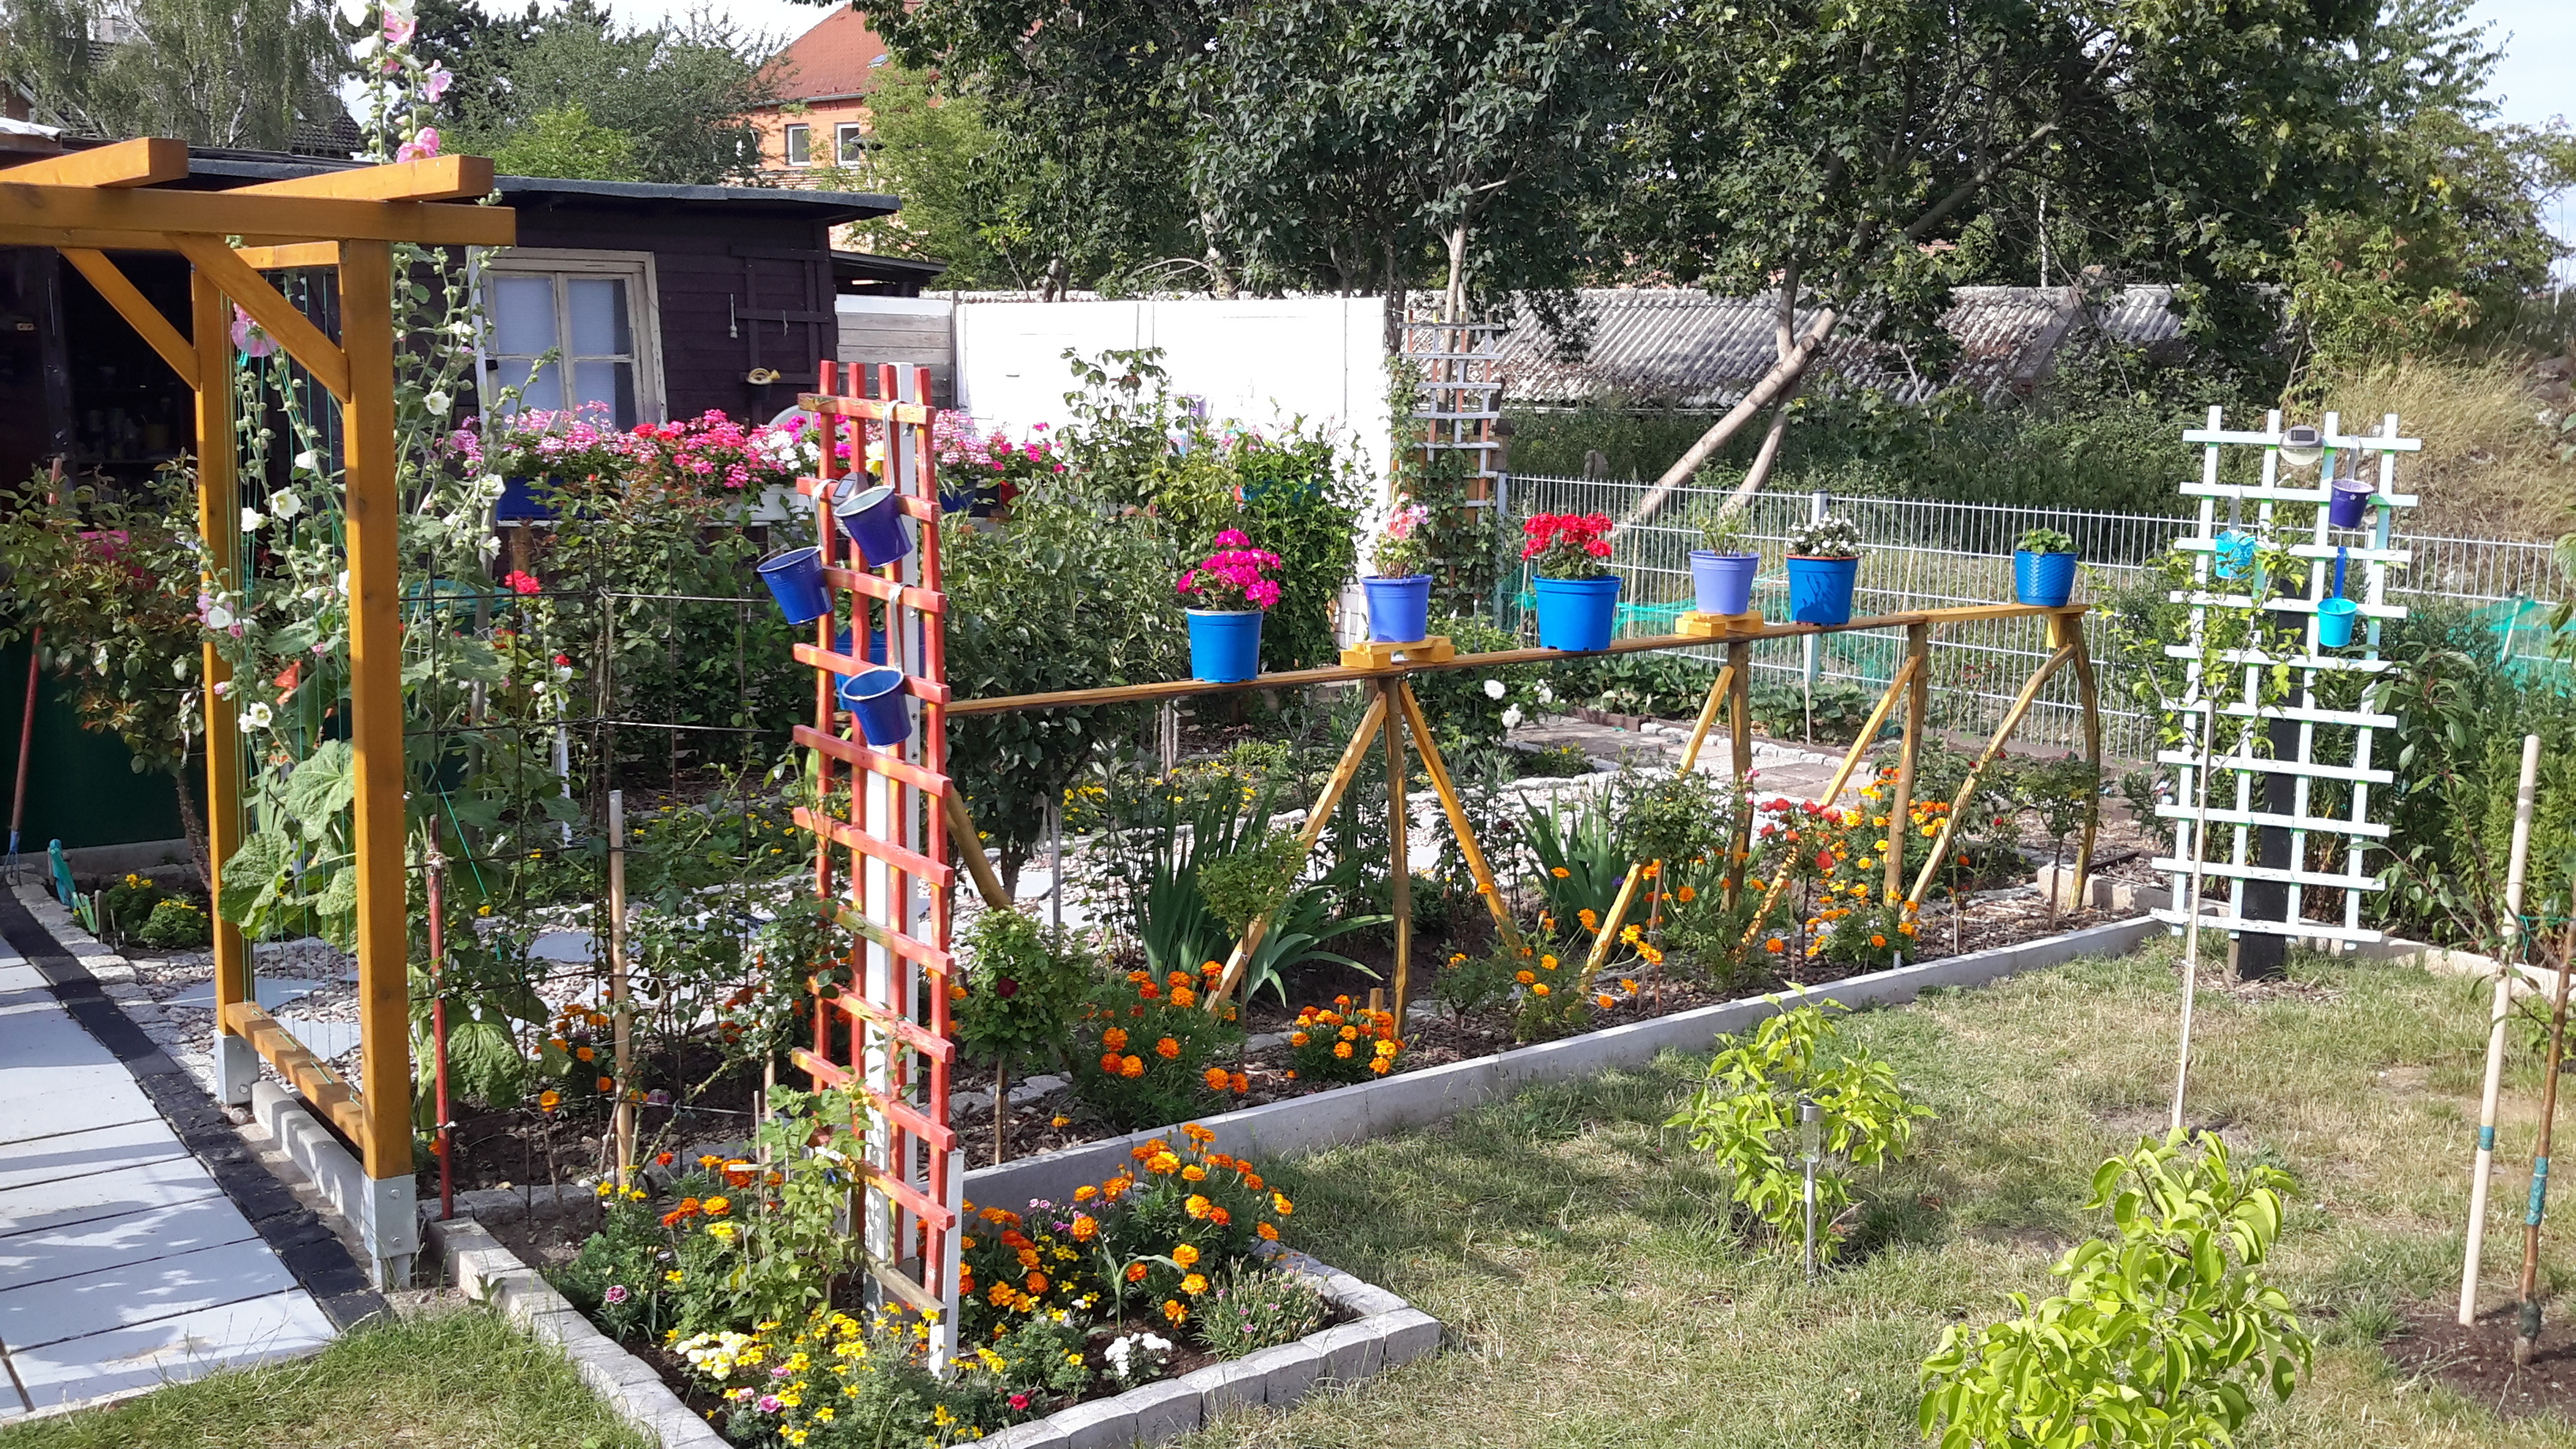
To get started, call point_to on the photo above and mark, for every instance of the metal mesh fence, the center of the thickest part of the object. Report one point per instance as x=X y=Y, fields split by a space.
x=1928 y=555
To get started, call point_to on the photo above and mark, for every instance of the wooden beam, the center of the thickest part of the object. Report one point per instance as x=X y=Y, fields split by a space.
x=964 y=841
x=1459 y=826
x=146 y=162
x=291 y=254
x=293 y=330
x=138 y=311
x=439 y=178
x=2012 y=721
x=310 y=1075
x=1900 y=806
x=1399 y=830
x=148 y=215
x=219 y=531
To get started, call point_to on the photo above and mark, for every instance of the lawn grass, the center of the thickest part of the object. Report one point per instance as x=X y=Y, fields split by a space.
x=462 y=1378
x=1597 y=1294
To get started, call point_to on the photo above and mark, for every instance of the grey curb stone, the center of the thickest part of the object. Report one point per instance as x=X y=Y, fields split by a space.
x=1164 y=1410
x=1410 y=1334
x=1100 y=1424
x=1352 y=1351
x=1224 y=1387
x=1035 y=1434
x=1288 y=1372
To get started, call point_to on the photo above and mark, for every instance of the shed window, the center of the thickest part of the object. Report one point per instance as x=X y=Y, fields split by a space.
x=572 y=332
x=800 y=145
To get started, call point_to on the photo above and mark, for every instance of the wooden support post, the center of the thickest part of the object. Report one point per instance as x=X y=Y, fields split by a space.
x=964 y=841
x=219 y=526
x=376 y=713
x=1739 y=849
x=1719 y=689
x=1477 y=867
x=1316 y=817
x=1834 y=789
x=2067 y=631
x=621 y=1001
x=1918 y=704
x=2012 y=720
x=1399 y=825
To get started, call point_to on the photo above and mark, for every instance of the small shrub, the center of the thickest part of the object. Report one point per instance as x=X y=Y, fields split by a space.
x=1019 y=999
x=1247 y=1309
x=176 y=925
x=1746 y=1115
x=126 y=907
x=1147 y=1053
x=1343 y=1044
x=1470 y=985
x=1680 y=819
x=1252 y=879
x=2159 y=1339
x=1548 y=1001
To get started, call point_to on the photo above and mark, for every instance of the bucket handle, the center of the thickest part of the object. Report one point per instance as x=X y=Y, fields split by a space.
x=2342 y=554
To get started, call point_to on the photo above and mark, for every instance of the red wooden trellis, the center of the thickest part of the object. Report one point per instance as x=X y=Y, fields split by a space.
x=881 y=862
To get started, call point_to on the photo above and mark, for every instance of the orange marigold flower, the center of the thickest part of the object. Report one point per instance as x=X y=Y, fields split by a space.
x=583 y=1054
x=1279 y=1202
x=1173 y=1310
x=1606 y=1001
x=1135 y=1272
x=1252 y=1181
x=1342 y=1049
x=1220 y=1216
x=1265 y=1232
x=1194 y=1285
x=1560 y=872
x=1539 y=990
x=1382 y=1065
x=1167 y=1049
x=1197 y=1207
x=1523 y=977
x=1162 y=1162
x=1193 y=1173
x=1775 y=945
x=1215 y=1079
x=1085 y=1227
x=1239 y=1084
x=605 y=1084
x=1109 y=1063
x=1132 y=1067
x=1686 y=895
x=1085 y=1193
x=1212 y=968
x=1182 y=996
x=1035 y=1282
x=1185 y=1255
x=1114 y=1039
x=1877 y=940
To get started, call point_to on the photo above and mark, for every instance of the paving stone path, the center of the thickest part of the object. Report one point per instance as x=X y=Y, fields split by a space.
x=140 y=1241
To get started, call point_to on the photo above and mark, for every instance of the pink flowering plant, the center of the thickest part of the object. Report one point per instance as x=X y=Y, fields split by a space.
x=1401 y=550
x=990 y=464
x=1235 y=579
x=575 y=445
x=717 y=456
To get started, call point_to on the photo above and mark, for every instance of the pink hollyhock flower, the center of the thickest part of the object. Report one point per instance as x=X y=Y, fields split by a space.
x=400 y=26
x=435 y=81
x=249 y=338
x=419 y=148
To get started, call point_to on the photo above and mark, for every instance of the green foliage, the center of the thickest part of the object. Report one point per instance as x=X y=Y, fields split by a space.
x=1145 y=1053
x=933 y=149
x=245 y=73
x=1472 y=985
x=1466 y=708
x=1679 y=819
x=176 y=925
x=1249 y=1308
x=1746 y=1114
x=1558 y=762
x=1023 y=988
x=125 y=907
x=564 y=141
x=1252 y=879
x=1665 y=685
x=1579 y=859
x=2045 y=540
x=2165 y=1332
x=1839 y=709
x=1722 y=532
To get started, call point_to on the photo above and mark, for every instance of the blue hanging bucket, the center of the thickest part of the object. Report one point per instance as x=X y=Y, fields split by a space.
x=876 y=699
x=2347 y=502
x=1399 y=610
x=2235 y=554
x=1225 y=646
x=795 y=580
x=2335 y=618
x=874 y=521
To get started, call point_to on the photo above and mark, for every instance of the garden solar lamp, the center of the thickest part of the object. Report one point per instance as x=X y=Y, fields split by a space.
x=2302 y=446
x=1811 y=1151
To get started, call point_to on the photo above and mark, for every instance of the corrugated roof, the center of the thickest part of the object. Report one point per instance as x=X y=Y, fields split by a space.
x=1704 y=351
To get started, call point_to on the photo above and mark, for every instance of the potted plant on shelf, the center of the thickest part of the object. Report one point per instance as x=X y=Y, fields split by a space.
x=1227 y=594
x=1399 y=595
x=1824 y=557
x=1578 y=595
x=1722 y=572
x=2044 y=568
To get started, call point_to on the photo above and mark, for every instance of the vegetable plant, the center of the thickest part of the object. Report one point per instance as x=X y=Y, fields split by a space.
x=2045 y=540
x=1746 y=1114
x=2167 y=1329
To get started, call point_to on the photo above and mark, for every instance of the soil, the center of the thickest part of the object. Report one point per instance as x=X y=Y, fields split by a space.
x=2478 y=1361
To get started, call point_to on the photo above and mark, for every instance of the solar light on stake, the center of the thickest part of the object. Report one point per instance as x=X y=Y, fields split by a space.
x=1811 y=1151
x=2302 y=446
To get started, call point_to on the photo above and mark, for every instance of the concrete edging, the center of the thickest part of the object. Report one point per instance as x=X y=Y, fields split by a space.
x=1383 y=1331
x=1434 y=1094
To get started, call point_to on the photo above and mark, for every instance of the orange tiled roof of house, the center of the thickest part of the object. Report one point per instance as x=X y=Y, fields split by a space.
x=836 y=58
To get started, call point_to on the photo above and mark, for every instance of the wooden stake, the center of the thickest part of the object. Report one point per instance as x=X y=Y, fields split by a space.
x=1317 y=816
x=2508 y=953
x=2012 y=721
x=1739 y=708
x=621 y=1002
x=1719 y=689
x=1918 y=703
x=2089 y=695
x=964 y=842
x=1399 y=825
x=1459 y=826
x=219 y=526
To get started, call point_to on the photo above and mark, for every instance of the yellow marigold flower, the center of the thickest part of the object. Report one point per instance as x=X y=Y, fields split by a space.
x=1279 y=1201
x=1193 y=1173
x=1184 y=1254
x=1173 y=1310
x=1540 y=989
x=1194 y=1285
x=1523 y=977
x=1162 y=1162
x=1547 y=961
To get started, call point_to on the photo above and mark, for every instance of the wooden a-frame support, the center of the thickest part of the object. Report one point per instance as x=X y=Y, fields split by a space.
x=86 y=204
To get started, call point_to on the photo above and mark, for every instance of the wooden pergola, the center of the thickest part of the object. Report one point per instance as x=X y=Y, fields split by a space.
x=86 y=204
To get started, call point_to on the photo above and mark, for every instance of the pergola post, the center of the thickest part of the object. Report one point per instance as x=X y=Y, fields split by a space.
x=219 y=527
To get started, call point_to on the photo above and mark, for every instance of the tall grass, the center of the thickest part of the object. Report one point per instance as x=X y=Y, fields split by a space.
x=2489 y=468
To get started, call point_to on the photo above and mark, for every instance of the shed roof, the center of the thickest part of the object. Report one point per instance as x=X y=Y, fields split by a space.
x=221 y=167
x=1700 y=350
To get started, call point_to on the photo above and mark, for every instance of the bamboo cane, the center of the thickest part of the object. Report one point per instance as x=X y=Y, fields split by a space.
x=445 y=1128
x=2509 y=952
x=1316 y=817
x=621 y=1003
x=2527 y=1336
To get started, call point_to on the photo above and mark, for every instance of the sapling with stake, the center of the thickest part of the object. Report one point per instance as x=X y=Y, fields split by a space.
x=2528 y=1336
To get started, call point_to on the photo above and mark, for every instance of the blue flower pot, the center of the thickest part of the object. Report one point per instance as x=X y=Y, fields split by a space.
x=2335 y=618
x=1820 y=589
x=519 y=500
x=1399 y=609
x=1576 y=614
x=2348 y=499
x=1225 y=647
x=876 y=699
x=2045 y=579
x=795 y=580
x=874 y=521
x=1723 y=581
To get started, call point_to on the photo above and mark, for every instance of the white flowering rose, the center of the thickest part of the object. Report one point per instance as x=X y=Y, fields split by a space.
x=1494 y=689
x=1546 y=695
x=1512 y=717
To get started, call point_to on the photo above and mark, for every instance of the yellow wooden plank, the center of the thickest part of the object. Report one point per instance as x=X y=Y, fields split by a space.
x=2012 y=720
x=146 y=162
x=292 y=254
x=1399 y=828
x=137 y=310
x=155 y=213
x=373 y=513
x=439 y=178
x=219 y=526
x=962 y=842
x=293 y=330
x=1459 y=826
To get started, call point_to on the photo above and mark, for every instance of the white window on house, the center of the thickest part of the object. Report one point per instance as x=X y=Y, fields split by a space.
x=800 y=145
x=850 y=143
x=571 y=329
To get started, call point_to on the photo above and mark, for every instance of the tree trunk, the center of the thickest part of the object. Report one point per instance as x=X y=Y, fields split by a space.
x=1453 y=306
x=1774 y=387
x=195 y=830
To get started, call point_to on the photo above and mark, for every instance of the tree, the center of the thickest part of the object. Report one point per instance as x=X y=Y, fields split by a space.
x=1827 y=153
x=565 y=142
x=676 y=91
x=211 y=72
x=1336 y=142
x=935 y=152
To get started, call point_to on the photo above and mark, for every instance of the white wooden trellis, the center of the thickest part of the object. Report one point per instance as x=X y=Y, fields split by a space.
x=2235 y=686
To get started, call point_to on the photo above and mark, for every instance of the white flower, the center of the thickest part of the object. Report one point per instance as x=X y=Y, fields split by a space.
x=219 y=617
x=344 y=582
x=252 y=518
x=1512 y=717
x=179 y=667
x=308 y=462
x=437 y=402
x=285 y=504
x=1494 y=689
x=257 y=716
x=1546 y=695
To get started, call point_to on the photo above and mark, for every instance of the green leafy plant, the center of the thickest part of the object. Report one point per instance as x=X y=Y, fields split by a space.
x=126 y=906
x=1835 y=537
x=2045 y=540
x=1723 y=531
x=176 y=925
x=1469 y=985
x=1147 y=1051
x=1025 y=986
x=2166 y=1330
x=1252 y=879
x=1580 y=862
x=1248 y=1308
x=1746 y=1115
x=1679 y=819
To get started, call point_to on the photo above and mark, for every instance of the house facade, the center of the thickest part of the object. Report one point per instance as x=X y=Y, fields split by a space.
x=821 y=122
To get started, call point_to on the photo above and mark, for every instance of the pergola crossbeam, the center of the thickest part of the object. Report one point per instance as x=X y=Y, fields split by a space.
x=145 y=162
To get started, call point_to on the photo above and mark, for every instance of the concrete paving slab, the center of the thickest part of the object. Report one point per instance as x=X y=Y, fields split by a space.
x=133 y=1292
x=16 y=975
x=78 y=1154
x=99 y=1195
x=37 y=1035
x=274 y=992
x=71 y=1099
x=53 y=1255
x=173 y=1350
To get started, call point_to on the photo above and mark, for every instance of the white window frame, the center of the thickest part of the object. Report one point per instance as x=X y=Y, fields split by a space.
x=844 y=133
x=643 y=317
x=788 y=137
